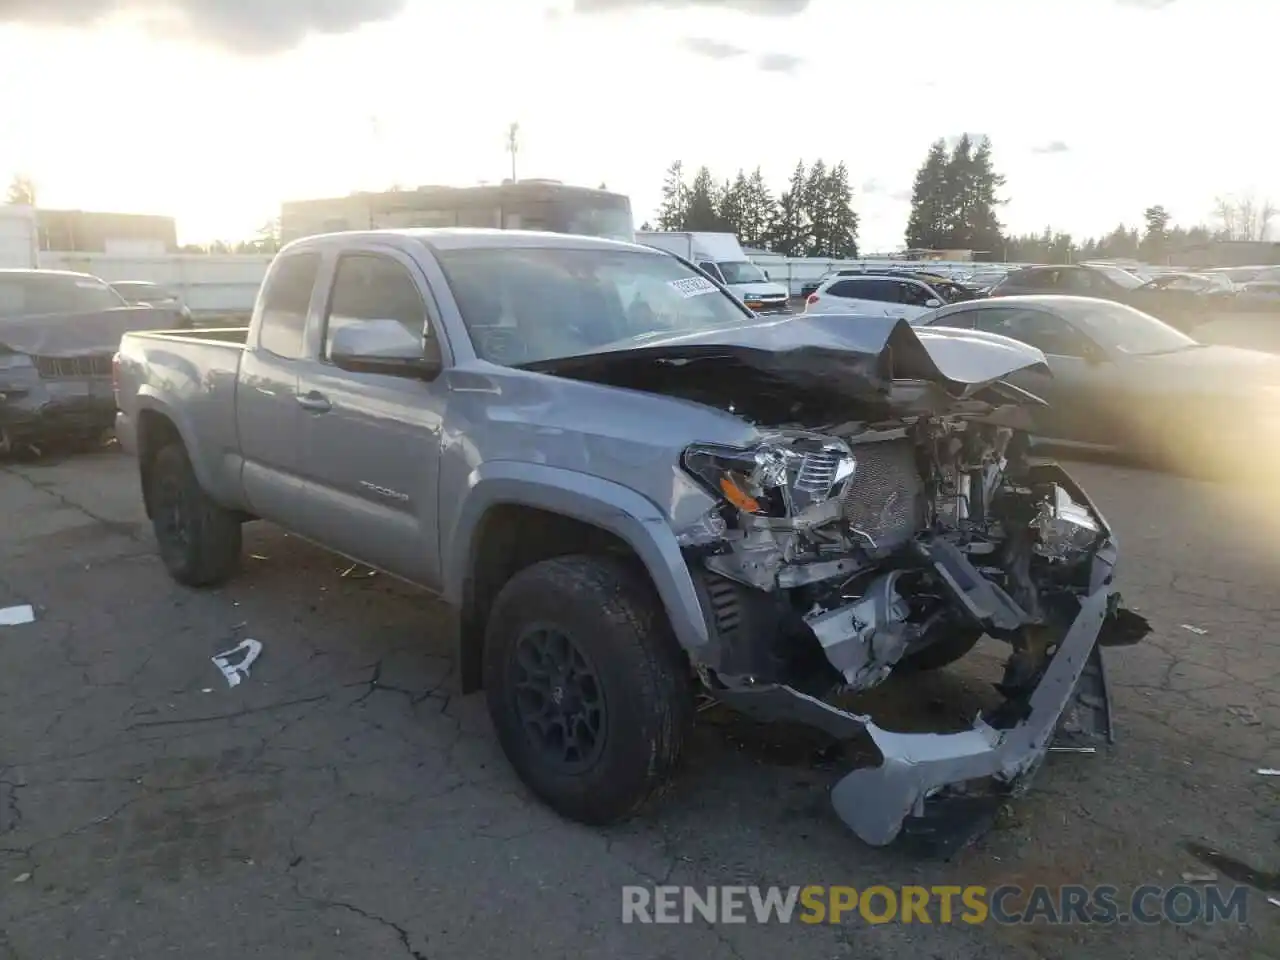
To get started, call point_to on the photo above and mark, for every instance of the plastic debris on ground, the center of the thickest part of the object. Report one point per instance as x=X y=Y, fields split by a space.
x=1198 y=631
x=1245 y=715
x=16 y=616
x=1073 y=749
x=22 y=878
x=358 y=572
x=1199 y=878
x=233 y=672
x=1273 y=901
x=1268 y=772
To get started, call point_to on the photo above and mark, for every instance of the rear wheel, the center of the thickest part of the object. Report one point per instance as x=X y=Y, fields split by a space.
x=199 y=539
x=586 y=686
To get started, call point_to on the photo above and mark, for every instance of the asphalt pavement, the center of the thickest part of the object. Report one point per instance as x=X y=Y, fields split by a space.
x=342 y=802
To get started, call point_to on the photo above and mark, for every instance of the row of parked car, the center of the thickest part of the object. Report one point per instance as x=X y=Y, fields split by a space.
x=1183 y=300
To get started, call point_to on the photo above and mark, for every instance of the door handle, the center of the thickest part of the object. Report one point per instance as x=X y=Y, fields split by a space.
x=314 y=402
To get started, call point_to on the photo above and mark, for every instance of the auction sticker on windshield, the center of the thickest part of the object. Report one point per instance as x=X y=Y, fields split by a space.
x=693 y=286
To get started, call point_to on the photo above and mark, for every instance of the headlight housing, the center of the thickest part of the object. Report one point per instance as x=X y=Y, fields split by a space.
x=783 y=476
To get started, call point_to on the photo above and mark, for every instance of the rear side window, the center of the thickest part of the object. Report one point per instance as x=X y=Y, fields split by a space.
x=1026 y=279
x=881 y=290
x=285 y=303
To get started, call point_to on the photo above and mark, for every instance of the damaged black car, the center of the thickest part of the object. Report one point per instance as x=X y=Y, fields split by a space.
x=58 y=334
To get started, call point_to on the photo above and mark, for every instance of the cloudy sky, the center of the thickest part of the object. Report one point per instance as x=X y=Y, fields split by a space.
x=216 y=110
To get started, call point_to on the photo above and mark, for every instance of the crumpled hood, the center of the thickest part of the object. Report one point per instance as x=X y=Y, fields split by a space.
x=858 y=356
x=76 y=334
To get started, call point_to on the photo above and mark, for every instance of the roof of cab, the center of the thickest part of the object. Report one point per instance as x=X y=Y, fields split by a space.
x=457 y=238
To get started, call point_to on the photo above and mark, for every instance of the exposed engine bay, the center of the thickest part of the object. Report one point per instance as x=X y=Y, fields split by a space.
x=882 y=541
x=889 y=516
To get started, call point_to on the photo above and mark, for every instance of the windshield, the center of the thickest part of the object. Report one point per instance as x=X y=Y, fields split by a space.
x=38 y=294
x=1122 y=277
x=611 y=222
x=741 y=271
x=1128 y=330
x=521 y=305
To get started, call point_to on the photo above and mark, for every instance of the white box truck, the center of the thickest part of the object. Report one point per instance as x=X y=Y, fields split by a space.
x=721 y=257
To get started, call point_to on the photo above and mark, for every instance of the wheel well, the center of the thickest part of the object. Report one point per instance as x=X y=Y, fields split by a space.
x=509 y=538
x=155 y=432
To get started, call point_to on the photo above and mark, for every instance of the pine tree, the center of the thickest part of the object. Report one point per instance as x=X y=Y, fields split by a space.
x=836 y=233
x=985 y=231
x=673 y=213
x=758 y=213
x=1155 y=242
x=789 y=231
x=816 y=204
x=733 y=204
x=959 y=178
x=701 y=213
x=927 y=223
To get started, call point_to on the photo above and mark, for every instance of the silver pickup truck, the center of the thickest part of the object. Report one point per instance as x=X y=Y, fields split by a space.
x=633 y=491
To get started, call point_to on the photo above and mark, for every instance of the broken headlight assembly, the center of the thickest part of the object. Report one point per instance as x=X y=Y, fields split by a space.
x=780 y=477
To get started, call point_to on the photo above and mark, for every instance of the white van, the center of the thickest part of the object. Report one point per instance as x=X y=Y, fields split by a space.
x=720 y=256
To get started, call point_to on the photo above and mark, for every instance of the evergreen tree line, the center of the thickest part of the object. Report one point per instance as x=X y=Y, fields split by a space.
x=954 y=206
x=812 y=217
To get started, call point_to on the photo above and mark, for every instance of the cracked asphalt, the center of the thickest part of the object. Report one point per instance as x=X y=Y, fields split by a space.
x=341 y=802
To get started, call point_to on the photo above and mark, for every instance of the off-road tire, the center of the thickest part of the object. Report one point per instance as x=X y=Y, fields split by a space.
x=611 y=613
x=209 y=552
x=959 y=640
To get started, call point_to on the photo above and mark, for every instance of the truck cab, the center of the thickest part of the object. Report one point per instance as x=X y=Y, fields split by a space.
x=721 y=257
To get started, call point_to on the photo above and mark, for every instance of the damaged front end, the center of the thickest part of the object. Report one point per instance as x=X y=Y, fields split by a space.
x=837 y=554
x=44 y=398
x=55 y=373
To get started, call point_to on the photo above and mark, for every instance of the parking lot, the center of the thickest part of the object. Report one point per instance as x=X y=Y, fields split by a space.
x=340 y=802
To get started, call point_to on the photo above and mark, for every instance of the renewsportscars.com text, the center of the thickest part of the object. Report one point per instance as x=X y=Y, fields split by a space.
x=1067 y=904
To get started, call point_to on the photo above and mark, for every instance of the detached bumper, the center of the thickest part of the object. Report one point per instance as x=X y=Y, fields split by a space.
x=946 y=787
x=923 y=769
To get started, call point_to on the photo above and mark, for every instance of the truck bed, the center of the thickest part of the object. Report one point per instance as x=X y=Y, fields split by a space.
x=220 y=335
x=199 y=370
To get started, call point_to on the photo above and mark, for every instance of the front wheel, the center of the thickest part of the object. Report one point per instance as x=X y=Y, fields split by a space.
x=586 y=686
x=199 y=539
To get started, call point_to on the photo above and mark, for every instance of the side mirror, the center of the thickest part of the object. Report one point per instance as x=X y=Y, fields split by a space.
x=933 y=303
x=385 y=347
x=766 y=275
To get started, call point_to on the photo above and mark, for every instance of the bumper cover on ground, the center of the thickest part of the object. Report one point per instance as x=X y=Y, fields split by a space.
x=924 y=775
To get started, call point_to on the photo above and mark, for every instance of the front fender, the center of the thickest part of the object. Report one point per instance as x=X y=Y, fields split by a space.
x=633 y=518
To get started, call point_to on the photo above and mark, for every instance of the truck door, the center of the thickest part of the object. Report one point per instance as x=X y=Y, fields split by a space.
x=371 y=442
x=267 y=410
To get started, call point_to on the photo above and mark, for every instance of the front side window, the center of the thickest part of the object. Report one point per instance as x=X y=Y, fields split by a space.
x=285 y=303
x=914 y=294
x=711 y=270
x=375 y=292
x=522 y=305
x=741 y=271
x=1050 y=334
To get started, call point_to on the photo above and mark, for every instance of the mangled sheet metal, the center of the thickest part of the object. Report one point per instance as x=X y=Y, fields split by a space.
x=889 y=517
